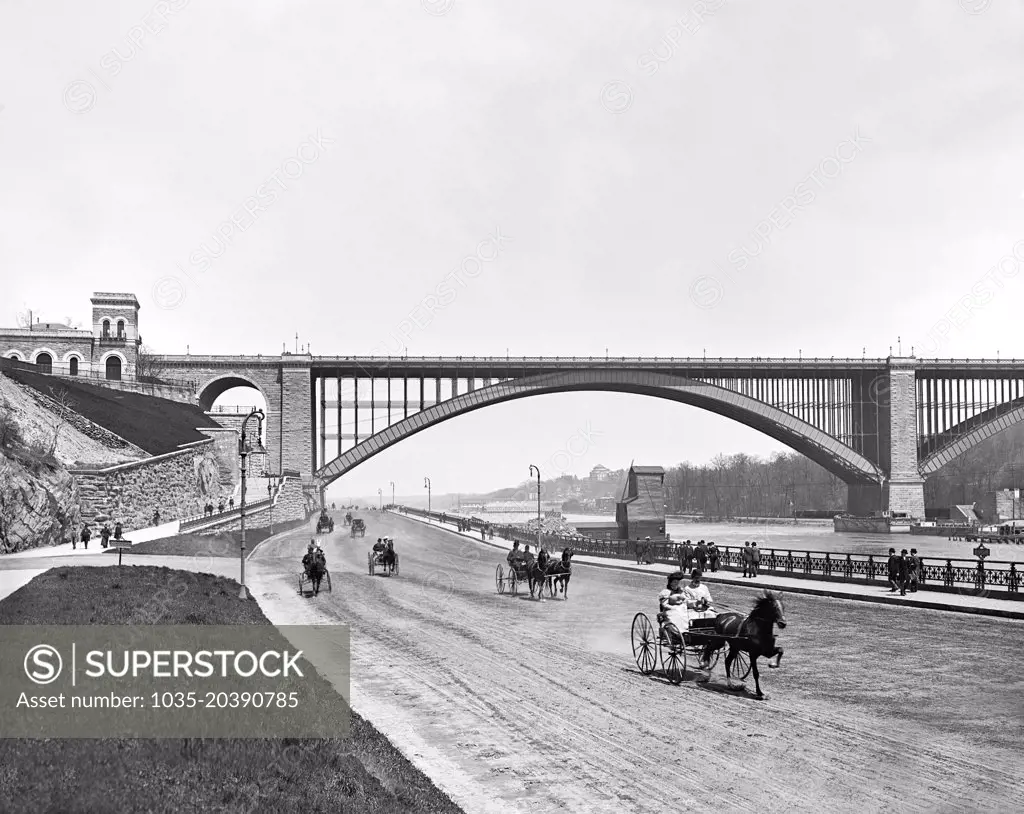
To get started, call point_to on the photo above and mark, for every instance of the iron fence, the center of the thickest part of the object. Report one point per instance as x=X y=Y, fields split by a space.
x=939 y=574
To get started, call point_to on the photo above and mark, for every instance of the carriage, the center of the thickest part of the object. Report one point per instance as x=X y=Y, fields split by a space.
x=306 y=580
x=508 y=576
x=650 y=647
x=376 y=559
x=348 y=518
x=325 y=523
x=358 y=527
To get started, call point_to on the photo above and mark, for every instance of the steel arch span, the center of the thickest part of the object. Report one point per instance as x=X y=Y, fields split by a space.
x=801 y=436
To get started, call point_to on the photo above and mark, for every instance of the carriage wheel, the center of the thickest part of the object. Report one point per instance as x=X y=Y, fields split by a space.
x=673 y=662
x=513 y=578
x=498 y=580
x=369 y=560
x=645 y=644
x=327 y=576
x=300 y=583
x=741 y=665
x=713 y=659
x=396 y=565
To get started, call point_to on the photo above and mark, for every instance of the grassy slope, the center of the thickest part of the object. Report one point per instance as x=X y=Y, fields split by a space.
x=361 y=773
x=153 y=424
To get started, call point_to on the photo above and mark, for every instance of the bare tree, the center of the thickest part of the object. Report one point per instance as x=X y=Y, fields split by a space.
x=147 y=365
x=24 y=318
x=63 y=406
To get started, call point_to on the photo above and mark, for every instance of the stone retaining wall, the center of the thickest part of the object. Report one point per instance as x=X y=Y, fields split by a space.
x=291 y=504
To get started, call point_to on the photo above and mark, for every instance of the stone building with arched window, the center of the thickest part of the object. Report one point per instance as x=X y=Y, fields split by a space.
x=108 y=351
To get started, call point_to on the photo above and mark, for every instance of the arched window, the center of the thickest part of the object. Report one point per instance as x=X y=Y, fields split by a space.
x=106 y=327
x=73 y=365
x=45 y=363
x=15 y=355
x=114 y=368
x=120 y=329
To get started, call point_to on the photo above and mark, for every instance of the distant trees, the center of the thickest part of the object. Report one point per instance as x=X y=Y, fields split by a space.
x=148 y=367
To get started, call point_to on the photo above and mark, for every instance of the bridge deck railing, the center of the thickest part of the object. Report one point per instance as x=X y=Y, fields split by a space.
x=996 y=578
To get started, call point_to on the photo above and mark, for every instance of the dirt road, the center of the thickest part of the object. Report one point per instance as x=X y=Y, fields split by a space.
x=512 y=704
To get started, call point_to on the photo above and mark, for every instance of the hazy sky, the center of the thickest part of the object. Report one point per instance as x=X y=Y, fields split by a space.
x=770 y=178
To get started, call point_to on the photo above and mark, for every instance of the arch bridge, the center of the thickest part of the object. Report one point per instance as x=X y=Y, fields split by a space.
x=881 y=424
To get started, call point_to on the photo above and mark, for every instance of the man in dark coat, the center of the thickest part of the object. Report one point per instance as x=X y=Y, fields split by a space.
x=714 y=556
x=755 y=559
x=894 y=571
x=105 y=535
x=86 y=534
x=701 y=553
x=915 y=570
x=745 y=558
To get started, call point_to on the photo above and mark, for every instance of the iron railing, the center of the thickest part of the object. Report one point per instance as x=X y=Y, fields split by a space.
x=938 y=574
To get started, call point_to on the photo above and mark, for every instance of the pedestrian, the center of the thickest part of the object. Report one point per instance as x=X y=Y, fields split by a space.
x=915 y=570
x=745 y=557
x=755 y=559
x=647 y=550
x=231 y=502
x=701 y=553
x=156 y=518
x=118 y=530
x=904 y=571
x=105 y=535
x=86 y=534
x=220 y=506
x=714 y=556
x=894 y=569
x=74 y=539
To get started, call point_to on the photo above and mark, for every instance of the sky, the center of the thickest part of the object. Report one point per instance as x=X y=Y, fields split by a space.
x=650 y=178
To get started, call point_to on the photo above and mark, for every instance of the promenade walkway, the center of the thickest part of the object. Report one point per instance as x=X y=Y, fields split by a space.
x=965 y=602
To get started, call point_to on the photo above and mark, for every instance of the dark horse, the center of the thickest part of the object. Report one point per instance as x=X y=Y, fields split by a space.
x=560 y=573
x=755 y=632
x=387 y=557
x=316 y=567
x=537 y=572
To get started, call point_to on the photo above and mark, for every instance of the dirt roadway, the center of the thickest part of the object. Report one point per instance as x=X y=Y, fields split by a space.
x=538 y=706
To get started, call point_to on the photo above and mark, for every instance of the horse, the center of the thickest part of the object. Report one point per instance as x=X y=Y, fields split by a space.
x=537 y=572
x=560 y=573
x=387 y=557
x=315 y=570
x=757 y=638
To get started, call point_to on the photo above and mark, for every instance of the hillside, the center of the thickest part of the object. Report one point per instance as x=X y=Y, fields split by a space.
x=152 y=424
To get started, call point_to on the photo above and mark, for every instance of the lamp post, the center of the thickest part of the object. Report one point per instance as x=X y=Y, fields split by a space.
x=270 y=498
x=243 y=451
x=426 y=485
x=392 y=495
x=537 y=468
x=380 y=495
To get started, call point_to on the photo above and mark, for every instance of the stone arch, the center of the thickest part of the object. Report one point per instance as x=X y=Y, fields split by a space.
x=72 y=362
x=16 y=355
x=790 y=430
x=109 y=366
x=212 y=389
x=44 y=359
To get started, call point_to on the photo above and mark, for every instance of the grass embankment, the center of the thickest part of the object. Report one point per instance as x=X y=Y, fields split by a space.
x=219 y=544
x=154 y=424
x=361 y=773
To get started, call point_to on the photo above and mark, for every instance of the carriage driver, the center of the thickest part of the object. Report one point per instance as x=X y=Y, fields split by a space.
x=308 y=559
x=379 y=546
x=672 y=607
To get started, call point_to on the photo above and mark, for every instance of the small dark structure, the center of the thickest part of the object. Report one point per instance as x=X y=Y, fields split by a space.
x=640 y=511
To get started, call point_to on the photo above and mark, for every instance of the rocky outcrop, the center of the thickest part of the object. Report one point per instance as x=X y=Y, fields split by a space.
x=38 y=505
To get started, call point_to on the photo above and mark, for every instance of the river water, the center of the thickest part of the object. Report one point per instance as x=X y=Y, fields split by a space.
x=802 y=538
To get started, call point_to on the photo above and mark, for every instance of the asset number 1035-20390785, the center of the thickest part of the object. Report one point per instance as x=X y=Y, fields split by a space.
x=225 y=700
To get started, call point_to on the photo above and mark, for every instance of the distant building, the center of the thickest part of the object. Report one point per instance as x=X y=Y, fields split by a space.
x=640 y=511
x=108 y=351
x=1004 y=504
x=600 y=473
x=964 y=513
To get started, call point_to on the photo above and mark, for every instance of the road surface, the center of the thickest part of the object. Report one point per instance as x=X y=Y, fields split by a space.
x=517 y=705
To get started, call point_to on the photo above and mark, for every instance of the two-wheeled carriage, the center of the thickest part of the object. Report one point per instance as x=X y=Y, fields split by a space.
x=651 y=646
x=380 y=559
x=508 y=577
x=358 y=527
x=325 y=523
x=308 y=580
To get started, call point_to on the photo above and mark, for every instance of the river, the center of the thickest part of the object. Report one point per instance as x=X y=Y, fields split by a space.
x=797 y=537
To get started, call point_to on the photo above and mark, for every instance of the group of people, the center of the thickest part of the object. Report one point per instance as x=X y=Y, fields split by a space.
x=904 y=571
x=520 y=558
x=105 y=533
x=699 y=556
x=384 y=545
x=208 y=508
x=679 y=605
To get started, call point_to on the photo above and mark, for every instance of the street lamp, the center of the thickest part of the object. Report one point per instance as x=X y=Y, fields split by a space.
x=243 y=451
x=426 y=485
x=532 y=468
x=392 y=495
x=380 y=495
x=270 y=499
